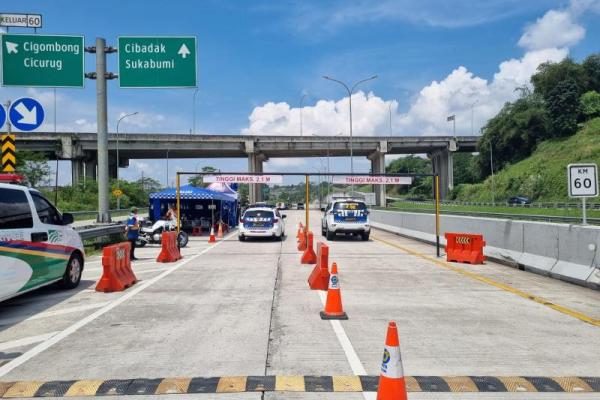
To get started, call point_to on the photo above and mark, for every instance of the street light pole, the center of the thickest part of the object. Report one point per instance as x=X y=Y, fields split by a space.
x=194 y=111
x=390 y=109
x=301 y=106
x=118 y=185
x=350 y=92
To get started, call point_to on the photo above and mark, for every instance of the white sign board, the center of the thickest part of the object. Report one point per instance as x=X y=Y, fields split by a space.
x=583 y=180
x=372 y=180
x=228 y=178
x=21 y=20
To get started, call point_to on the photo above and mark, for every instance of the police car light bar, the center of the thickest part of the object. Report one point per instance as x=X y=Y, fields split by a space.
x=11 y=178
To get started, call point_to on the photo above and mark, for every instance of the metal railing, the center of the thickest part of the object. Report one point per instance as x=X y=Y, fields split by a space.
x=546 y=205
x=93 y=232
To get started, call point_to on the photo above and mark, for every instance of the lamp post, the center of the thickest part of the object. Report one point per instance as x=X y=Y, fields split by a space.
x=118 y=123
x=350 y=92
x=390 y=109
x=194 y=111
x=301 y=106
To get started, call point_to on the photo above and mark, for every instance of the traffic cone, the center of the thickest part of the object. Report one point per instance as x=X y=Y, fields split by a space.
x=300 y=232
x=302 y=241
x=212 y=239
x=333 y=305
x=391 y=379
x=309 y=256
x=220 y=231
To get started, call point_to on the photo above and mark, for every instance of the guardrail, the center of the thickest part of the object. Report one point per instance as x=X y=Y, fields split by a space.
x=523 y=217
x=93 y=232
x=549 y=205
x=93 y=214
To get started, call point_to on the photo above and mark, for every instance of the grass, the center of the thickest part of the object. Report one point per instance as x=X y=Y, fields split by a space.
x=542 y=176
x=502 y=209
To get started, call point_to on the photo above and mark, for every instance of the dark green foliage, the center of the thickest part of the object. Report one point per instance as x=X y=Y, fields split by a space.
x=34 y=166
x=421 y=187
x=590 y=104
x=591 y=65
x=563 y=108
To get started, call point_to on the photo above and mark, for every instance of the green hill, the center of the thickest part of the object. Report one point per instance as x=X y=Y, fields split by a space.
x=543 y=175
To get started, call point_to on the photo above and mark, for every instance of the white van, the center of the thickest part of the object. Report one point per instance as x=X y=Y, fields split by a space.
x=37 y=245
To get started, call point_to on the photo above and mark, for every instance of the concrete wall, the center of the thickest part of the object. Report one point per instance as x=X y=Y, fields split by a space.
x=567 y=252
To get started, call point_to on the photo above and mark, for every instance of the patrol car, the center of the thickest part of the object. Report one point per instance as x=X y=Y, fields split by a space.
x=37 y=245
x=261 y=221
x=346 y=215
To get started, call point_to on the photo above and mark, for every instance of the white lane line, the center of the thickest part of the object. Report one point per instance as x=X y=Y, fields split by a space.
x=28 y=355
x=355 y=363
x=53 y=313
x=26 y=341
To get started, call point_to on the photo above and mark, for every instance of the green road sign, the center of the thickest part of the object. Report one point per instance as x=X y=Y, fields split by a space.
x=42 y=60
x=157 y=62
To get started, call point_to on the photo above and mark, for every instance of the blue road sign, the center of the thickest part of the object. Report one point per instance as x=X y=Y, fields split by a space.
x=26 y=114
x=2 y=116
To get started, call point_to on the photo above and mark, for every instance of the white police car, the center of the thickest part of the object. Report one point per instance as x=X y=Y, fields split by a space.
x=37 y=244
x=261 y=221
x=348 y=216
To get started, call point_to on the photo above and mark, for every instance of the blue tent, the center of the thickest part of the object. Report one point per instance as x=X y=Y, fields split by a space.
x=195 y=205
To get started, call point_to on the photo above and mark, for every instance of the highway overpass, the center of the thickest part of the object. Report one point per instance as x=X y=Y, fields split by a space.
x=81 y=149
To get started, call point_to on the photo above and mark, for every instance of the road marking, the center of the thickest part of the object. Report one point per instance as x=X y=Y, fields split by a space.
x=28 y=355
x=540 y=300
x=53 y=313
x=355 y=363
x=26 y=341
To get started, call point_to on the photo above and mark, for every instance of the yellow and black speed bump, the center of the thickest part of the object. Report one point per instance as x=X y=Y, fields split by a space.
x=294 y=383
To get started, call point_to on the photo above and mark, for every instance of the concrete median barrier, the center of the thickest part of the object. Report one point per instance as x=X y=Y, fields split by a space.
x=562 y=251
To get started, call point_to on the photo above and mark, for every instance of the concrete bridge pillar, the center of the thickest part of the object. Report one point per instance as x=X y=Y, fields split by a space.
x=378 y=167
x=255 y=166
x=77 y=171
x=443 y=165
x=90 y=169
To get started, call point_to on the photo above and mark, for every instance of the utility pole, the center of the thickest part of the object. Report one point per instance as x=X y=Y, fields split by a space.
x=102 y=123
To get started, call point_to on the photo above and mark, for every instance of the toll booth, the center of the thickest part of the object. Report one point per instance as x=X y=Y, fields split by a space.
x=199 y=206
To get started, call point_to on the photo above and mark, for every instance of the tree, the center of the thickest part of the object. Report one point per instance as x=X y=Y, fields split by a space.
x=550 y=74
x=591 y=65
x=34 y=166
x=590 y=104
x=197 y=180
x=465 y=168
x=421 y=187
x=563 y=108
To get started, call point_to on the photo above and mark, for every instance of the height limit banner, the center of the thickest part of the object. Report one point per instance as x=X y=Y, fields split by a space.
x=372 y=180
x=226 y=178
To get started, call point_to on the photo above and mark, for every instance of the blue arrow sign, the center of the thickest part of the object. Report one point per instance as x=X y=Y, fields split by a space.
x=26 y=114
x=2 y=116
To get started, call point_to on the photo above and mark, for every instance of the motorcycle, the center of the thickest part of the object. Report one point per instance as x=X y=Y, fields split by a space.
x=152 y=233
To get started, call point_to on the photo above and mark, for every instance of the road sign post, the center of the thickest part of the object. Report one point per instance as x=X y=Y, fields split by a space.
x=157 y=62
x=42 y=60
x=583 y=183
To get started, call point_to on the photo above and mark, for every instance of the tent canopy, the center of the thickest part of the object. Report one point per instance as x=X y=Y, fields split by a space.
x=189 y=192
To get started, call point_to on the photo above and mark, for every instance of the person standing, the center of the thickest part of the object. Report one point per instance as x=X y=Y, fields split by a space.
x=133 y=231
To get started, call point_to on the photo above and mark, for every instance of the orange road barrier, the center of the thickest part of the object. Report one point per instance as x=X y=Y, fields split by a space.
x=309 y=256
x=169 y=251
x=391 y=379
x=464 y=247
x=302 y=241
x=333 y=305
x=319 y=277
x=220 y=231
x=117 y=274
x=197 y=231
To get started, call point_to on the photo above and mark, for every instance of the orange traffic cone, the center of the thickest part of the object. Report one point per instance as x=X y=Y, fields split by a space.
x=220 y=231
x=333 y=305
x=302 y=241
x=309 y=256
x=300 y=232
x=212 y=239
x=391 y=379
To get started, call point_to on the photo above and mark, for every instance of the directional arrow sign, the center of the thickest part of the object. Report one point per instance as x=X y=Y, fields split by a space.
x=42 y=60
x=26 y=114
x=157 y=62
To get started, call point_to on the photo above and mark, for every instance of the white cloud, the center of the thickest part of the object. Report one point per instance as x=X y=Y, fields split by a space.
x=471 y=98
x=555 y=29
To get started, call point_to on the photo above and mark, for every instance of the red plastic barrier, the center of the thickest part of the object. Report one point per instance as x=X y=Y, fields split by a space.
x=117 y=274
x=464 y=247
x=319 y=277
x=309 y=256
x=169 y=251
x=196 y=231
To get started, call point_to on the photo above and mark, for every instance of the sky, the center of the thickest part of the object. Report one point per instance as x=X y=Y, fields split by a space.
x=260 y=61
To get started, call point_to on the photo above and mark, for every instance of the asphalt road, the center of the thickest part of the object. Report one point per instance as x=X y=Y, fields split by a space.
x=239 y=309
